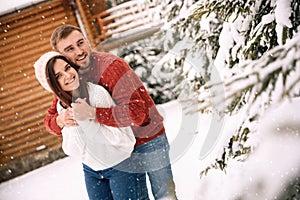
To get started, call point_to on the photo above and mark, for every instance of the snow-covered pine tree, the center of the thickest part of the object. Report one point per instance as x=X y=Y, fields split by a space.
x=255 y=46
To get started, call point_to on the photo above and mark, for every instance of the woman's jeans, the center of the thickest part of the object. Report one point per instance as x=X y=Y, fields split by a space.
x=112 y=184
x=127 y=180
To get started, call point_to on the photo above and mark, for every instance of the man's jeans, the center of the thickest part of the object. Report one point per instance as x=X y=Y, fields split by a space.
x=112 y=184
x=153 y=158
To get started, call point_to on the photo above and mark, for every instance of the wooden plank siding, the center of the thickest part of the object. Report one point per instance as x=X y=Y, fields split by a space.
x=24 y=36
x=86 y=9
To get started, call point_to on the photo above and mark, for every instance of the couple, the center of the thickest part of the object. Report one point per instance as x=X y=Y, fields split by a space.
x=106 y=118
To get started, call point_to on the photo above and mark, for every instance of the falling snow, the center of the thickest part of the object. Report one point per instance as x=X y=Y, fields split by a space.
x=264 y=175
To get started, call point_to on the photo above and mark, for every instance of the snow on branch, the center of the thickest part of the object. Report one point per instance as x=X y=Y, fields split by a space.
x=279 y=66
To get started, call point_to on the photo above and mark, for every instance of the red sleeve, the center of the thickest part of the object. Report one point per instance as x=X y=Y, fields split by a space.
x=126 y=89
x=50 y=119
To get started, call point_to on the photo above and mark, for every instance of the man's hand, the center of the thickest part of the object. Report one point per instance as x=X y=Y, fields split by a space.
x=82 y=110
x=66 y=118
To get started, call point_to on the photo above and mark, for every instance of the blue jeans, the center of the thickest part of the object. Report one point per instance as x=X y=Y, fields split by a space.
x=153 y=158
x=113 y=184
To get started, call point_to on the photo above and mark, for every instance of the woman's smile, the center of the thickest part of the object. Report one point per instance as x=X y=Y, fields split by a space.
x=66 y=75
x=70 y=81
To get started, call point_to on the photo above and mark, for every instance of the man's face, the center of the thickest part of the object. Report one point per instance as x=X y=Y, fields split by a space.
x=77 y=49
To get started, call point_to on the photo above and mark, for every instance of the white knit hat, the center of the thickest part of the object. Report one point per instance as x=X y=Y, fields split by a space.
x=40 y=68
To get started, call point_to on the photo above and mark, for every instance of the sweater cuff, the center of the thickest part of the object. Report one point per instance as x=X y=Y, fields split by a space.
x=54 y=127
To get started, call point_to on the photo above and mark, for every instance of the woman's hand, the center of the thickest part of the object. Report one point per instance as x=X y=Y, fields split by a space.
x=66 y=118
x=82 y=110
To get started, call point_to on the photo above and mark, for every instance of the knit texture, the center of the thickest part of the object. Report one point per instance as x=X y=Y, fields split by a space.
x=97 y=145
x=134 y=106
x=40 y=69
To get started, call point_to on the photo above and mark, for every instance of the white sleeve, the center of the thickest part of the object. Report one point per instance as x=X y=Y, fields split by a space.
x=71 y=144
x=121 y=138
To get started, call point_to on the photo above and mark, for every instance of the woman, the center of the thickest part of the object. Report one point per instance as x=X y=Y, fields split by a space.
x=101 y=148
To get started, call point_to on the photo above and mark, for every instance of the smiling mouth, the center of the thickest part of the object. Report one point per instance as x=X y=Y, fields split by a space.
x=70 y=81
x=81 y=58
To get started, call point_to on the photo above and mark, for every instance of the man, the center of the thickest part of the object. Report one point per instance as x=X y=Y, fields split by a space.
x=134 y=107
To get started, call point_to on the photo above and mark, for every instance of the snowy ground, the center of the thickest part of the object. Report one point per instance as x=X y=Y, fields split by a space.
x=275 y=161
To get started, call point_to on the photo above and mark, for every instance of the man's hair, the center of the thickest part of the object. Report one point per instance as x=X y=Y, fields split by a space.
x=62 y=32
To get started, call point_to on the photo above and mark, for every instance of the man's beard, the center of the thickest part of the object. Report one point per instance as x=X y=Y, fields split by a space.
x=83 y=70
x=86 y=67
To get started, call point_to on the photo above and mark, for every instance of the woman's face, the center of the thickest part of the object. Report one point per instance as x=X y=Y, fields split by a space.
x=66 y=75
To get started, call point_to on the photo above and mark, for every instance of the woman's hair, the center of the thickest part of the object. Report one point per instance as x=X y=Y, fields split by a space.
x=65 y=97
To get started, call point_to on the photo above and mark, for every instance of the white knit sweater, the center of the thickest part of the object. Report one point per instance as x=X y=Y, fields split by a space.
x=98 y=146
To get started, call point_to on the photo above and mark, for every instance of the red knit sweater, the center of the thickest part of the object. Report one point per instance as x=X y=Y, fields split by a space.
x=134 y=107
